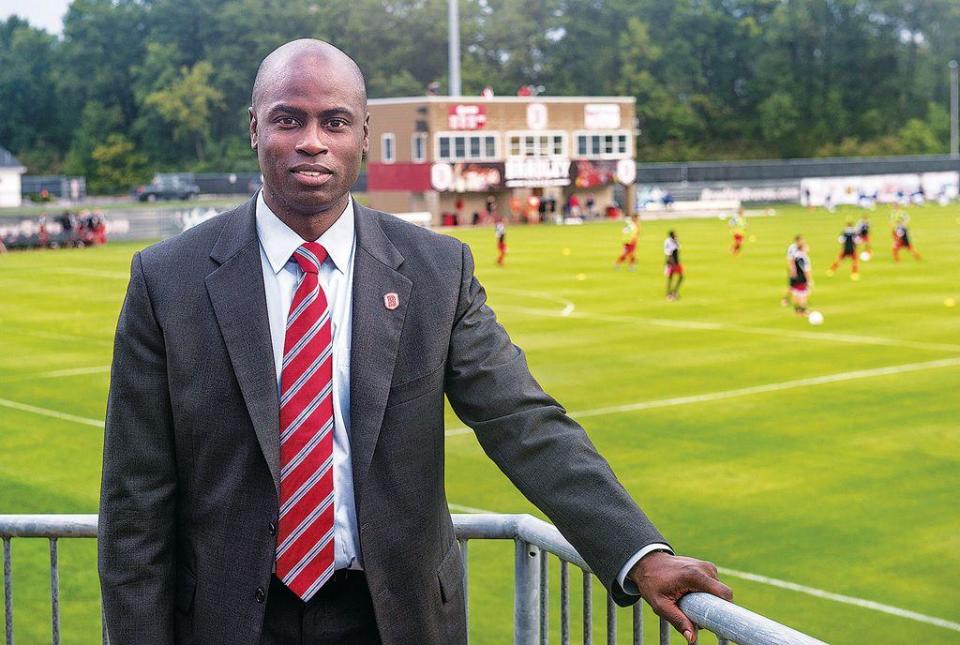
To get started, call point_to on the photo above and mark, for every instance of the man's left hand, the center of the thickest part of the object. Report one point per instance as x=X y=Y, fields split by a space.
x=663 y=579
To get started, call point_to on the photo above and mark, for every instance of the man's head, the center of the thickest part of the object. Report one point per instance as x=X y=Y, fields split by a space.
x=309 y=126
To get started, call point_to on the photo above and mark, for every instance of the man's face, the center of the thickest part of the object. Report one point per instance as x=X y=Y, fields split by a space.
x=310 y=130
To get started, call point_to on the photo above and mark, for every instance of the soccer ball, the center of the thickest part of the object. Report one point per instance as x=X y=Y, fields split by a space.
x=864 y=257
x=815 y=318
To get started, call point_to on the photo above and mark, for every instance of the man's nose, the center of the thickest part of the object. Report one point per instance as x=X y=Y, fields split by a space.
x=313 y=141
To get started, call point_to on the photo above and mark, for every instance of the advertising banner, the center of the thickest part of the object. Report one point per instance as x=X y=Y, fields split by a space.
x=467 y=177
x=913 y=187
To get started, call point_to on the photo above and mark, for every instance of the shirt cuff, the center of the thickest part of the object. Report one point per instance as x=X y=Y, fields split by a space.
x=629 y=586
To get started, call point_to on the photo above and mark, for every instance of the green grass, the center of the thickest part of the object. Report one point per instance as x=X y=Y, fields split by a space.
x=848 y=486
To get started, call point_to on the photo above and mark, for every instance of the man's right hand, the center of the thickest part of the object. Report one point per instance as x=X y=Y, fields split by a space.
x=663 y=579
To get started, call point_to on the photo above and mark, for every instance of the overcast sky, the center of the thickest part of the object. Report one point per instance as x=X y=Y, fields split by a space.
x=47 y=14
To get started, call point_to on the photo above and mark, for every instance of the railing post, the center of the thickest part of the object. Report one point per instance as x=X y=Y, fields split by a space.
x=526 y=594
x=54 y=591
x=7 y=592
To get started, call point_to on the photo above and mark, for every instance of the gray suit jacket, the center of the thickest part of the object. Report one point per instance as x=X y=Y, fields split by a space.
x=191 y=454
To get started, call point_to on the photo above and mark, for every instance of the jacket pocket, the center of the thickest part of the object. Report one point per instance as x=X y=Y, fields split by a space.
x=450 y=573
x=414 y=388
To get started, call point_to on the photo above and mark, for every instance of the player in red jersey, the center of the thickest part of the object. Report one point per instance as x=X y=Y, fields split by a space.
x=630 y=235
x=738 y=225
x=672 y=266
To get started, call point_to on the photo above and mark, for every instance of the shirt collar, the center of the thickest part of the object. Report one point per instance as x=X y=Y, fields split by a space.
x=279 y=241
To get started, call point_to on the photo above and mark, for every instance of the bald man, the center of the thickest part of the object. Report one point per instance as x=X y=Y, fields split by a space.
x=273 y=459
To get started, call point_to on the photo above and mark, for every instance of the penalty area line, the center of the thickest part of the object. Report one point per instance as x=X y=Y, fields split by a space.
x=792 y=586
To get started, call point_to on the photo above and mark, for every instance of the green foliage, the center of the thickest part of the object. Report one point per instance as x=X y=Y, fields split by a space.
x=117 y=165
x=712 y=78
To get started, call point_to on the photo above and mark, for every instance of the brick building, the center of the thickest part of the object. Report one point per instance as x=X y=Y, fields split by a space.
x=526 y=155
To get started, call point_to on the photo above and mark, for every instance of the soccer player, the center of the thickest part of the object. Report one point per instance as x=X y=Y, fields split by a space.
x=848 y=249
x=501 y=242
x=630 y=235
x=738 y=223
x=801 y=280
x=901 y=240
x=671 y=252
x=863 y=232
x=791 y=253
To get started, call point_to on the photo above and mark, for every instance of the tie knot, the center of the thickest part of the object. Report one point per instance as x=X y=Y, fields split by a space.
x=310 y=256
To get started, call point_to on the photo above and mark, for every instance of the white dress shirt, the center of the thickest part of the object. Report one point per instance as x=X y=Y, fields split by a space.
x=280 y=276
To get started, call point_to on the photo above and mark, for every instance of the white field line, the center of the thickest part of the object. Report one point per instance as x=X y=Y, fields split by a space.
x=23 y=407
x=847 y=600
x=568 y=306
x=756 y=389
x=79 y=371
x=792 y=586
x=763 y=331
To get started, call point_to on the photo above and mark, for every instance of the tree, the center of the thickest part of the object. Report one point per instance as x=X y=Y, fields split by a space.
x=117 y=166
x=187 y=104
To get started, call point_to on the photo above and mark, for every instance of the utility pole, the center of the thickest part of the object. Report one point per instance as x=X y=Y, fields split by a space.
x=954 y=126
x=453 y=19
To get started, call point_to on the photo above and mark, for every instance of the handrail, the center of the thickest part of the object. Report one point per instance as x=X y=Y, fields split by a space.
x=535 y=538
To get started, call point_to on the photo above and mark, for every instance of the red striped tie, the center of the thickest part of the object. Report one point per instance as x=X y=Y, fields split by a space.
x=305 y=532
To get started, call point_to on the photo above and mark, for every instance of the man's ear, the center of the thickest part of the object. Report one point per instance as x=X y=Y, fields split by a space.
x=253 y=128
x=366 y=135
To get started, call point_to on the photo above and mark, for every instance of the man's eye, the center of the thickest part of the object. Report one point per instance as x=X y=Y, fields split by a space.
x=287 y=121
x=337 y=124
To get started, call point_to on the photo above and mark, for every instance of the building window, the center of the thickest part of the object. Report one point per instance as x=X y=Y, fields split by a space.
x=418 y=144
x=388 y=147
x=465 y=147
x=603 y=145
x=537 y=144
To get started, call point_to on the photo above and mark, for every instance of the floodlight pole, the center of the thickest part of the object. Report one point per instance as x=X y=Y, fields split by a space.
x=954 y=126
x=453 y=19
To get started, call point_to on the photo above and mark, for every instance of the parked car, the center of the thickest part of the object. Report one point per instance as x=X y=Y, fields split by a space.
x=168 y=186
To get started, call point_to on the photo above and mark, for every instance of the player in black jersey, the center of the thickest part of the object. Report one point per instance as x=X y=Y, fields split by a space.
x=863 y=232
x=801 y=280
x=848 y=249
x=901 y=240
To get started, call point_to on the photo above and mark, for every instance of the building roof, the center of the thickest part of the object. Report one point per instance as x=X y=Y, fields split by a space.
x=7 y=160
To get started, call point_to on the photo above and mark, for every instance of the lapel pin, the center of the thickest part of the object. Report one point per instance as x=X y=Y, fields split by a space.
x=391 y=300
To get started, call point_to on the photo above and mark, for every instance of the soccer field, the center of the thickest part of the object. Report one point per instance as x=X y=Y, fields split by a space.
x=826 y=457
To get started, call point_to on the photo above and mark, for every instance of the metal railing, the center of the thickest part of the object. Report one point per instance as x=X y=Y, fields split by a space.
x=535 y=541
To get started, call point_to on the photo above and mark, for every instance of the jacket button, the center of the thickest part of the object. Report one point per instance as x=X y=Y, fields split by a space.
x=260 y=595
x=273 y=528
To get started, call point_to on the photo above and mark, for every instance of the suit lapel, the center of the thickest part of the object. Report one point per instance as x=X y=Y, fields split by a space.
x=239 y=300
x=375 y=338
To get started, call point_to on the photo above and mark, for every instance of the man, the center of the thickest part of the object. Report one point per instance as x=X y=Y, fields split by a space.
x=901 y=238
x=791 y=267
x=801 y=280
x=630 y=234
x=273 y=460
x=848 y=249
x=738 y=224
x=672 y=267
x=501 y=232
x=863 y=232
